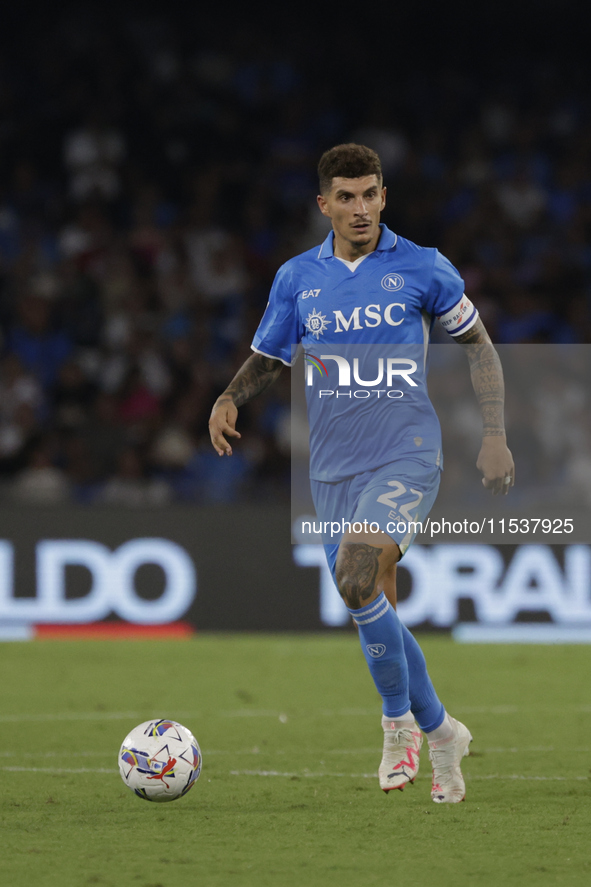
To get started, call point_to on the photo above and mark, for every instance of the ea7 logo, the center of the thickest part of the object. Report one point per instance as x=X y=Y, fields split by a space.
x=307 y=293
x=376 y=650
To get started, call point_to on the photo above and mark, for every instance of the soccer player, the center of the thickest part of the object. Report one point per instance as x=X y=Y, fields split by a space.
x=363 y=304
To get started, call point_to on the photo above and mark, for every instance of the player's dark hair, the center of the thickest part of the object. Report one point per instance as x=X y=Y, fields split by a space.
x=348 y=161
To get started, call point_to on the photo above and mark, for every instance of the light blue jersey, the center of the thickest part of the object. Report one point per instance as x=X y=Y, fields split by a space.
x=365 y=328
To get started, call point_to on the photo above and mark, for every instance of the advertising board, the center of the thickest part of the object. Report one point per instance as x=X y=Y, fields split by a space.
x=233 y=569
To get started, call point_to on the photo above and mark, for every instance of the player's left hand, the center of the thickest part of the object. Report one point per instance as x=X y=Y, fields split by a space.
x=496 y=464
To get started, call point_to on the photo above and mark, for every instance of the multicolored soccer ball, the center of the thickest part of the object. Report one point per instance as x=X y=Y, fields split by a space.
x=160 y=760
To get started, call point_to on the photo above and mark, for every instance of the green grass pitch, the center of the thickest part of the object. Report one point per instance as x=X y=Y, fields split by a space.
x=290 y=732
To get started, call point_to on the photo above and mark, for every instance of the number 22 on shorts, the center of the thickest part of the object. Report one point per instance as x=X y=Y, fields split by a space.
x=400 y=490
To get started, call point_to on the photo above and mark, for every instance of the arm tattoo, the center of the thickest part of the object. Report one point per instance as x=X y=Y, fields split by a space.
x=487 y=378
x=357 y=570
x=253 y=377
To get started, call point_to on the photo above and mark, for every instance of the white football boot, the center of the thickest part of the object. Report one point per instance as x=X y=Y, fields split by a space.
x=400 y=760
x=446 y=754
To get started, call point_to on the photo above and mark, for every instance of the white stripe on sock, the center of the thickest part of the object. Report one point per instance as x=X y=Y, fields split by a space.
x=368 y=609
x=378 y=615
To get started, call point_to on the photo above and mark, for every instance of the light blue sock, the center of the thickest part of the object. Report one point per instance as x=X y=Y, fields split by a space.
x=381 y=636
x=424 y=702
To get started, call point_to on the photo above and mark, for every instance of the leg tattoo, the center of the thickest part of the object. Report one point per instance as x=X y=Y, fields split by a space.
x=356 y=572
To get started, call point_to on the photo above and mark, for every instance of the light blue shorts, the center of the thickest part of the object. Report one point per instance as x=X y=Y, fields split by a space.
x=394 y=498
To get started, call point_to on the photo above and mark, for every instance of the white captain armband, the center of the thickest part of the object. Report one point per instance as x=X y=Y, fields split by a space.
x=460 y=318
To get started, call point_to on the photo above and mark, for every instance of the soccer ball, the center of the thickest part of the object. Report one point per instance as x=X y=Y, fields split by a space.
x=160 y=760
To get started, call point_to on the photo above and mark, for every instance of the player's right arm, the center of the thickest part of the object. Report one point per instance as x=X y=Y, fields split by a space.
x=253 y=377
x=277 y=333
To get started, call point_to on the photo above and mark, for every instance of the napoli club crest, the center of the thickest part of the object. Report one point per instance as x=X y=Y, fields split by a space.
x=376 y=650
x=392 y=282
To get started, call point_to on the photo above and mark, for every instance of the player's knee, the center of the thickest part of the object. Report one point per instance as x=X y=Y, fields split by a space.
x=356 y=574
x=349 y=590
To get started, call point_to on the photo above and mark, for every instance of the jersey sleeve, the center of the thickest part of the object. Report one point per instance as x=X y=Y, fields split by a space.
x=447 y=300
x=278 y=330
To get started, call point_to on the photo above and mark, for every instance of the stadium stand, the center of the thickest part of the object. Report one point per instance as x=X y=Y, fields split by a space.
x=151 y=184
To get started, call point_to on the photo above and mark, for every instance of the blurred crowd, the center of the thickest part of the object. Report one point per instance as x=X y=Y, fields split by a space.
x=152 y=182
x=548 y=419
